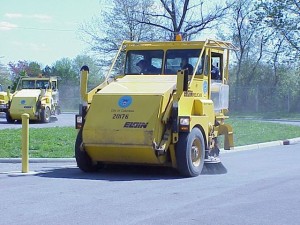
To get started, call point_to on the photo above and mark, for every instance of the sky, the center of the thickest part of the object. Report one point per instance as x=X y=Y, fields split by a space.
x=44 y=31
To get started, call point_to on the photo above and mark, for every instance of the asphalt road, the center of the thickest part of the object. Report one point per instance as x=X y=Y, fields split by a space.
x=261 y=187
x=62 y=120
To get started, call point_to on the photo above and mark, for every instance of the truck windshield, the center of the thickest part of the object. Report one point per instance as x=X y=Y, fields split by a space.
x=1 y=89
x=34 y=84
x=183 y=59
x=144 y=62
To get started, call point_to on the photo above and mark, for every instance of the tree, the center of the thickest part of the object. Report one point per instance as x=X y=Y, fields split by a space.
x=4 y=76
x=244 y=35
x=261 y=73
x=96 y=75
x=47 y=71
x=34 y=69
x=106 y=33
x=146 y=20
x=23 y=68
x=255 y=51
x=284 y=18
x=183 y=16
x=64 y=70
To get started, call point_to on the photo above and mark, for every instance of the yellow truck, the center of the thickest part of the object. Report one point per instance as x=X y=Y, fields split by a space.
x=37 y=96
x=159 y=105
x=4 y=98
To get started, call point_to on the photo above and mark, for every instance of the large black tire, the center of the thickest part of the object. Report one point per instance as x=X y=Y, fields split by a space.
x=45 y=115
x=84 y=161
x=8 y=118
x=190 y=153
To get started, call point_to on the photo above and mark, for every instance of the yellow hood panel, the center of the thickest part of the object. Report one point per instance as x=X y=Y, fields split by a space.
x=28 y=93
x=141 y=84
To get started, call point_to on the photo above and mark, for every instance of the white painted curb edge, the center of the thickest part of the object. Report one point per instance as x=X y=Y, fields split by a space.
x=262 y=145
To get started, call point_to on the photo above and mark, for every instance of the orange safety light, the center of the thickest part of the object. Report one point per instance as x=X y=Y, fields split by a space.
x=178 y=37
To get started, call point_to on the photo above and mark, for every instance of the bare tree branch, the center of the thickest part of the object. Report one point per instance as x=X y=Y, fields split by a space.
x=184 y=11
x=155 y=25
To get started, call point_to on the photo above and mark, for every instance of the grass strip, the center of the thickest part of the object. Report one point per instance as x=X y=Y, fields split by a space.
x=252 y=132
x=58 y=142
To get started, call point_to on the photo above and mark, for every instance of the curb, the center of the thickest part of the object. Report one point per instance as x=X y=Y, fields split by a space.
x=253 y=147
x=236 y=149
x=263 y=145
x=39 y=160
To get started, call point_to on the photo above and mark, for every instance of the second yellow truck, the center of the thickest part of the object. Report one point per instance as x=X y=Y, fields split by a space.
x=37 y=96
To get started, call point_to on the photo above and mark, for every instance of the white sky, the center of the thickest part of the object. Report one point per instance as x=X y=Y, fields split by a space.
x=43 y=30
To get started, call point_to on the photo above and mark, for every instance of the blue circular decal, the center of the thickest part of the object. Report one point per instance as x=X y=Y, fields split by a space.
x=205 y=87
x=125 y=101
x=23 y=102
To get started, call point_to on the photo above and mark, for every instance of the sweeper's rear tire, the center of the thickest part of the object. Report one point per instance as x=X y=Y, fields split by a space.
x=8 y=118
x=190 y=153
x=84 y=161
x=45 y=115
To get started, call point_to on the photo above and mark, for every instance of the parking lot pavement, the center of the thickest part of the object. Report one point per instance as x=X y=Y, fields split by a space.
x=62 y=120
x=15 y=168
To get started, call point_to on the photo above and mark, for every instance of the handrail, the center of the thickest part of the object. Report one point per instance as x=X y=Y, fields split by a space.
x=114 y=61
x=221 y=44
x=216 y=44
x=198 y=62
